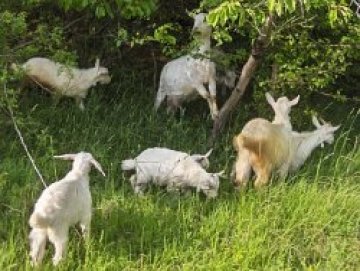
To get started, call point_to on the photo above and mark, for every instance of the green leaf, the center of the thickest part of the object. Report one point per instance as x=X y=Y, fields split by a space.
x=271 y=5
x=279 y=8
x=290 y=5
x=333 y=16
x=212 y=18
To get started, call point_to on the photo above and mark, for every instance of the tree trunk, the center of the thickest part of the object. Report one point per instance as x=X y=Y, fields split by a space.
x=247 y=72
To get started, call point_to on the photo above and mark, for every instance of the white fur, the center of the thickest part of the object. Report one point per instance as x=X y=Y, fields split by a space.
x=62 y=204
x=173 y=169
x=183 y=79
x=242 y=167
x=306 y=142
x=274 y=147
x=64 y=80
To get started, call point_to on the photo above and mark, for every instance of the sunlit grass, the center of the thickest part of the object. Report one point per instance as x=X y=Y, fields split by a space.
x=309 y=222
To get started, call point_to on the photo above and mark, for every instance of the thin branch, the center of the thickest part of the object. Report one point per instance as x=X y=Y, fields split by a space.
x=22 y=140
x=70 y=24
x=357 y=4
x=11 y=208
x=248 y=70
x=42 y=86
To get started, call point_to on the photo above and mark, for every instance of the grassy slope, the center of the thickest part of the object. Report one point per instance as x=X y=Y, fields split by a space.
x=311 y=222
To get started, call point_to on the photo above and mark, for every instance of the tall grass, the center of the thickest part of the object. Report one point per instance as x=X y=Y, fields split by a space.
x=309 y=222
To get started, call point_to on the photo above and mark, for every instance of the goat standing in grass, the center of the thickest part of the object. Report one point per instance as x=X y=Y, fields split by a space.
x=242 y=167
x=62 y=80
x=183 y=79
x=173 y=169
x=61 y=205
x=274 y=147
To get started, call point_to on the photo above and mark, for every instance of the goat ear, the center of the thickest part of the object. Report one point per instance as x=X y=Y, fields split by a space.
x=295 y=101
x=69 y=156
x=270 y=99
x=333 y=129
x=323 y=121
x=221 y=174
x=97 y=165
x=315 y=122
x=97 y=63
x=206 y=155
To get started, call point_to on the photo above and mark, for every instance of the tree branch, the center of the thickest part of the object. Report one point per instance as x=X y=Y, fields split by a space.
x=247 y=72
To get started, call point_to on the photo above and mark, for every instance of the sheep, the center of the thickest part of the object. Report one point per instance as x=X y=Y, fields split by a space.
x=62 y=204
x=173 y=169
x=183 y=79
x=62 y=80
x=242 y=167
x=274 y=147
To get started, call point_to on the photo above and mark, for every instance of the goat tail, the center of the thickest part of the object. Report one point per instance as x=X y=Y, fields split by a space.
x=253 y=145
x=160 y=96
x=129 y=164
x=37 y=238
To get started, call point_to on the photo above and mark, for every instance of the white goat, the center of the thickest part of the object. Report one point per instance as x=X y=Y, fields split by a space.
x=173 y=169
x=242 y=166
x=64 y=80
x=274 y=147
x=183 y=79
x=62 y=204
x=306 y=142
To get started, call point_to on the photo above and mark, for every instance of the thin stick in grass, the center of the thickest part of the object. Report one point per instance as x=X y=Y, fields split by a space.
x=22 y=140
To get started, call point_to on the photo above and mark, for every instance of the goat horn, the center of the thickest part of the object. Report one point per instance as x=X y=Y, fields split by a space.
x=208 y=153
x=69 y=156
x=322 y=120
x=97 y=165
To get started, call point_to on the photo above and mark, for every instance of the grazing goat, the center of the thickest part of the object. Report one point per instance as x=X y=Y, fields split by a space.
x=306 y=142
x=274 y=147
x=64 y=80
x=242 y=166
x=173 y=169
x=183 y=79
x=62 y=204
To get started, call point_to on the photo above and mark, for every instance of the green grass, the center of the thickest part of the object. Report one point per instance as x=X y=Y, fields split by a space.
x=309 y=222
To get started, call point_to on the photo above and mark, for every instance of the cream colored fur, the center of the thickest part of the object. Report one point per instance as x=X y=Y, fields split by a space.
x=242 y=169
x=273 y=147
x=184 y=79
x=63 y=80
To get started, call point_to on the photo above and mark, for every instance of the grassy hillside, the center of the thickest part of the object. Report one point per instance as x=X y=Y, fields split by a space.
x=309 y=222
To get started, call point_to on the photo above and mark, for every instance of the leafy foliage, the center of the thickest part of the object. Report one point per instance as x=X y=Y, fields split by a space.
x=310 y=224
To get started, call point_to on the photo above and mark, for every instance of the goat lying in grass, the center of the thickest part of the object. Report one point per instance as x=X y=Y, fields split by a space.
x=62 y=204
x=242 y=167
x=274 y=147
x=173 y=169
x=183 y=79
x=63 y=80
